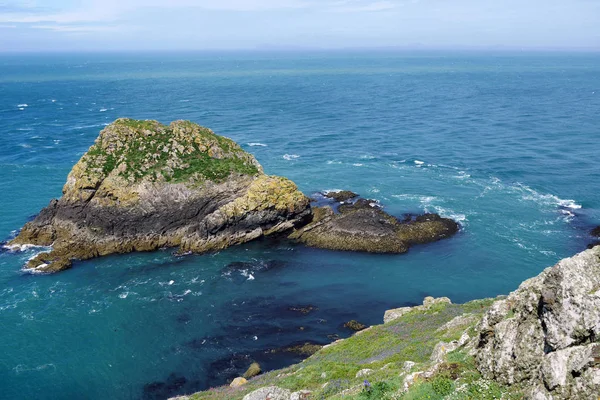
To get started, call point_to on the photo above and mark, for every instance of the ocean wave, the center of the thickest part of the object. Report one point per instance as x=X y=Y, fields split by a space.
x=257 y=144
x=22 y=105
x=530 y=194
x=447 y=213
x=333 y=162
x=103 y=110
x=358 y=164
x=290 y=157
x=419 y=162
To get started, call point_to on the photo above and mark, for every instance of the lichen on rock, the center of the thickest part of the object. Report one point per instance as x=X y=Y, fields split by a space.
x=545 y=334
x=143 y=185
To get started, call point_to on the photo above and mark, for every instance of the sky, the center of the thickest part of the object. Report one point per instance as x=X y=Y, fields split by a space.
x=100 y=25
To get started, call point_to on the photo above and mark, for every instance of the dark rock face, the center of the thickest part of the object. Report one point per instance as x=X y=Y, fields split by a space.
x=143 y=186
x=364 y=226
x=596 y=231
x=544 y=336
x=355 y=326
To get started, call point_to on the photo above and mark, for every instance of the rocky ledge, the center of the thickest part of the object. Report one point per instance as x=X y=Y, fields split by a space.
x=361 y=225
x=143 y=186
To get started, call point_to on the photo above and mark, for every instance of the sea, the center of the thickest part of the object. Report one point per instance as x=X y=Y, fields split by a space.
x=505 y=143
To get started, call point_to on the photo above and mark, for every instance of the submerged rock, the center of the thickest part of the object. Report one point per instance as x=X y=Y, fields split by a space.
x=143 y=186
x=304 y=310
x=544 y=335
x=355 y=326
x=364 y=226
x=305 y=349
x=596 y=231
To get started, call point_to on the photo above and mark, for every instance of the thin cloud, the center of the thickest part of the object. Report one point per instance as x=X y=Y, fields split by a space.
x=363 y=6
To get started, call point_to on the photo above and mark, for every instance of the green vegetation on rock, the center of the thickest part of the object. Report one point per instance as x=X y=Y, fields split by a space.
x=181 y=152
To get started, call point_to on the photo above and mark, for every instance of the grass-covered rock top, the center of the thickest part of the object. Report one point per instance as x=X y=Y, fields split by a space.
x=132 y=151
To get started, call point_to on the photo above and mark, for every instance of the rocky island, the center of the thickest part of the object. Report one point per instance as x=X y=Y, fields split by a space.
x=143 y=186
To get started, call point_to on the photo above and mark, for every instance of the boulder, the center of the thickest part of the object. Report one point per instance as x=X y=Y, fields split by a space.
x=364 y=372
x=252 y=371
x=237 y=382
x=355 y=326
x=143 y=186
x=341 y=195
x=428 y=302
x=269 y=393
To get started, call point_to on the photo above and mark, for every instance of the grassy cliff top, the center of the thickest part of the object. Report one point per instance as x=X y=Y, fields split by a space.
x=182 y=152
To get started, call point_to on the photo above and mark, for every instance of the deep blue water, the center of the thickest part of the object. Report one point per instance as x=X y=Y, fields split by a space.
x=506 y=143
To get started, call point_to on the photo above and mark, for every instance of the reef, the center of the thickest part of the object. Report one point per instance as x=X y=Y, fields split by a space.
x=363 y=226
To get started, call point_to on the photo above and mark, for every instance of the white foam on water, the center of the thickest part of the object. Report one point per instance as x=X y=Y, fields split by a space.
x=334 y=162
x=290 y=157
x=23 y=247
x=546 y=199
x=247 y=274
x=124 y=295
x=327 y=191
x=103 y=110
x=358 y=164
x=447 y=213
x=367 y=157
x=22 y=105
x=419 y=162
x=256 y=144
x=19 y=369
x=21 y=108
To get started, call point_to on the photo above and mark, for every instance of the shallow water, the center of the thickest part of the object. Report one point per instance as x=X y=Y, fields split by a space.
x=506 y=144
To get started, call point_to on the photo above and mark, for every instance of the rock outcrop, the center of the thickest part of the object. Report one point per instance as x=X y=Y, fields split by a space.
x=364 y=226
x=144 y=186
x=545 y=336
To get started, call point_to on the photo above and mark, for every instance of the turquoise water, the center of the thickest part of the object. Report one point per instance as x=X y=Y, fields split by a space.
x=506 y=144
